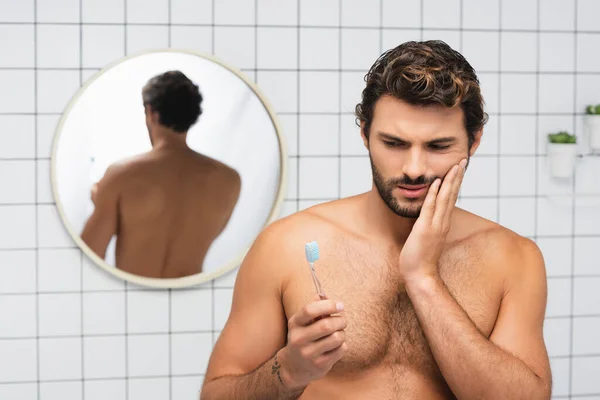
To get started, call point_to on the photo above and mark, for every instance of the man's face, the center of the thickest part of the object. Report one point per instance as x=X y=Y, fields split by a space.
x=410 y=147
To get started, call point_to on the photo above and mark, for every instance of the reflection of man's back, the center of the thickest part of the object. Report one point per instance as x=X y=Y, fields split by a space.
x=171 y=205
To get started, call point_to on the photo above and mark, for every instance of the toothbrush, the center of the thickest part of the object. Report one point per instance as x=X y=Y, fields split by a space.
x=312 y=254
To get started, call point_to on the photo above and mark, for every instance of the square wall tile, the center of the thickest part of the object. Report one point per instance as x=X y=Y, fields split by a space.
x=557 y=191
x=482 y=50
x=356 y=176
x=281 y=88
x=557 y=335
x=147 y=311
x=364 y=13
x=587 y=296
x=244 y=12
x=451 y=37
x=61 y=390
x=518 y=215
x=404 y=14
x=96 y=278
x=517 y=176
x=360 y=48
x=391 y=38
x=557 y=256
x=559 y=297
x=44 y=185
x=553 y=218
x=519 y=14
x=59 y=314
x=319 y=178
x=19 y=360
x=18 y=228
x=352 y=143
x=441 y=13
x=22 y=11
x=60 y=359
x=319 y=13
x=195 y=38
x=17 y=316
x=553 y=44
x=556 y=93
x=191 y=310
x=585 y=335
x=519 y=52
x=277 y=48
x=57 y=11
x=319 y=135
x=481 y=14
x=17 y=139
x=21 y=391
x=557 y=15
x=560 y=376
x=183 y=387
x=585 y=375
x=277 y=12
x=587 y=220
x=319 y=91
x=103 y=11
x=191 y=11
x=142 y=38
x=587 y=45
x=190 y=353
x=17 y=46
x=586 y=259
x=20 y=83
x=518 y=94
x=102 y=44
x=55 y=89
x=103 y=313
x=352 y=86
x=104 y=357
x=222 y=307
x=17 y=268
x=147 y=355
x=51 y=55
x=481 y=177
x=109 y=389
x=587 y=11
x=518 y=135
x=143 y=12
x=51 y=231
x=490 y=89
x=148 y=389
x=17 y=180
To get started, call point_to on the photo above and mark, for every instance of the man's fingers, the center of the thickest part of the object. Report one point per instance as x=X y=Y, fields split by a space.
x=311 y=311
x=429 y=204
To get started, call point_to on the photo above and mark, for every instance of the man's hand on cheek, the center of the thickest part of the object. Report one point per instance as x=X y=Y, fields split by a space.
x=423 y=248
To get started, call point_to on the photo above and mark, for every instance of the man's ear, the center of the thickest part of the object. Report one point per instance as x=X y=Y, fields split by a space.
x=476 y=142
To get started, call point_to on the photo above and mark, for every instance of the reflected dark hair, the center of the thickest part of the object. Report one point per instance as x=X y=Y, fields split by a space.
x=422 y=74
x=175 y=98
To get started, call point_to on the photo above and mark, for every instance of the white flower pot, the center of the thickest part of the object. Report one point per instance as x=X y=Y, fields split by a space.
x=562 y=158
x=592 y=123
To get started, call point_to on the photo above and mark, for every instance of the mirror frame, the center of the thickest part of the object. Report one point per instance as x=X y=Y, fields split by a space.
x=191 y=280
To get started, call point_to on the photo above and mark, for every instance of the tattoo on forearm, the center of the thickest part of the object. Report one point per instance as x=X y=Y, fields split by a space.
x=275 y=369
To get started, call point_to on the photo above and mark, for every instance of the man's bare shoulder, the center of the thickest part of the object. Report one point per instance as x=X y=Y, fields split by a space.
x=499 y=246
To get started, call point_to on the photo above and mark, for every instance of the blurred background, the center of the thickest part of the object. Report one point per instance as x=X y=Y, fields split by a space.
x=69 y=331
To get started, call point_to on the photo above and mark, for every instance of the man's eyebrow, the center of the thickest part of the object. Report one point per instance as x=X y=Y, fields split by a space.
x=391 y=137
x=448 y=139
x=445 y=139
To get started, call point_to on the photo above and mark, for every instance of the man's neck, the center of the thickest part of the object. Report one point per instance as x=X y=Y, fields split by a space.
x=383 y=222
x=167 y=139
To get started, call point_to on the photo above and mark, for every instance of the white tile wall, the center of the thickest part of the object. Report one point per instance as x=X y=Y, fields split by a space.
x=312 y=74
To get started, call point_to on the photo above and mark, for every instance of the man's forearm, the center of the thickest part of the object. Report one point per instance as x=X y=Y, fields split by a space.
x=472 y=366
x=264 y=383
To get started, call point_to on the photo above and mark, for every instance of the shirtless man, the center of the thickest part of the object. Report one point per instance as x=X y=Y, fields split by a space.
x=166 y=206
x=425 y=300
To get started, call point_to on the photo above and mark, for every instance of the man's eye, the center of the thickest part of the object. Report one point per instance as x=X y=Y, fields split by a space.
x=392 y=143
x=439 y=147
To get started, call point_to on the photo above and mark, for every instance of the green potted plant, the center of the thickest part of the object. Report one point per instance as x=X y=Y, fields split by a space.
x=592 y=123
x=562 y=154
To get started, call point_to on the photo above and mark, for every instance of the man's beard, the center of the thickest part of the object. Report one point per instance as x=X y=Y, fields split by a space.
x=412 y=207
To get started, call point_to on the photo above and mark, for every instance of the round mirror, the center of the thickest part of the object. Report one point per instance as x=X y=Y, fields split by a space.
x=165 y=167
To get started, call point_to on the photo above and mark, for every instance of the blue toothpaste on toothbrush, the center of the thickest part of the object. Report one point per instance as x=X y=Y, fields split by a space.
x=311 y=250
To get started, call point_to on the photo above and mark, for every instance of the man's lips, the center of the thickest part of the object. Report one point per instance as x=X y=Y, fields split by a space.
x=413 y=191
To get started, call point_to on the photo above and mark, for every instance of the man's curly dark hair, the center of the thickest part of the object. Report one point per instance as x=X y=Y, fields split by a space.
x=175 y=98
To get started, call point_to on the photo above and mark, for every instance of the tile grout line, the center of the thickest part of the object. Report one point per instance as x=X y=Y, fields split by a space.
x=36 y=214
